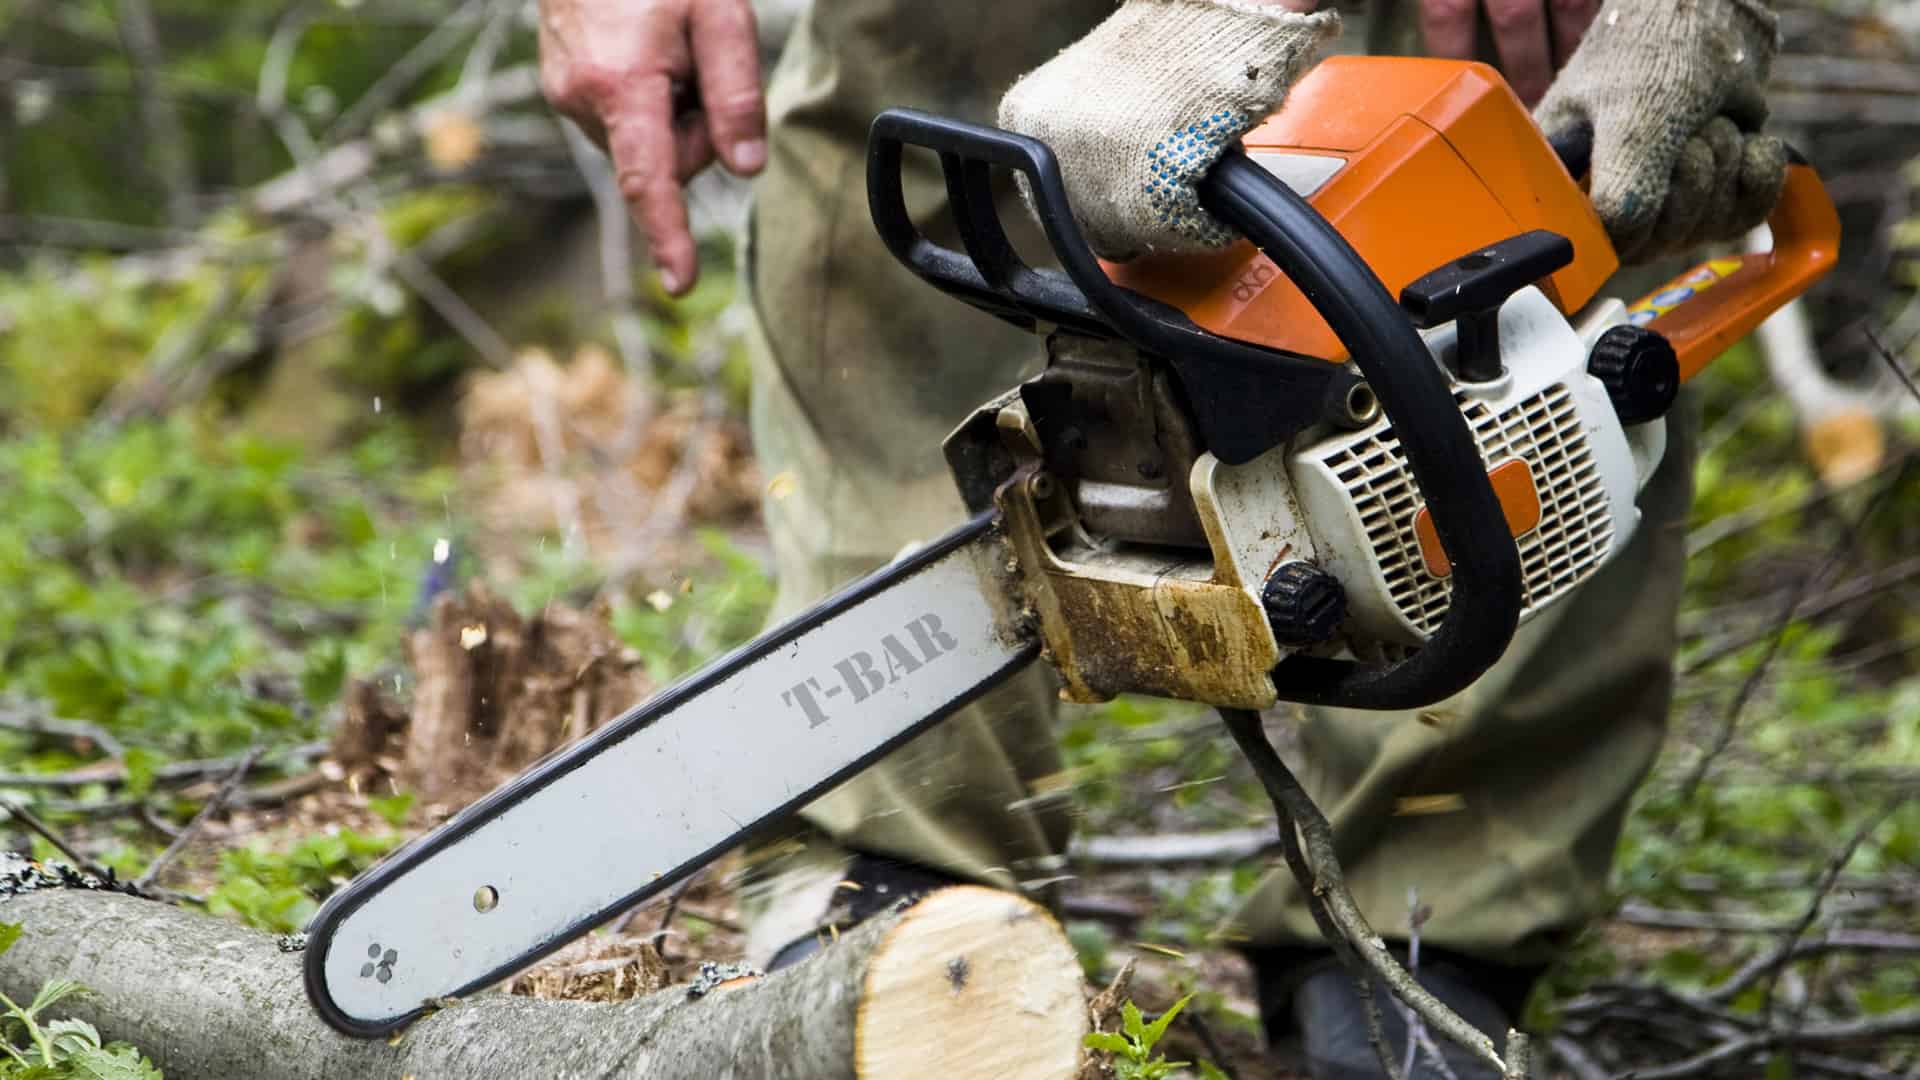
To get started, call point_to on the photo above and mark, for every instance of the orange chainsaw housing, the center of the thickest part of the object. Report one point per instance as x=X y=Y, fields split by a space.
x=1434 y=159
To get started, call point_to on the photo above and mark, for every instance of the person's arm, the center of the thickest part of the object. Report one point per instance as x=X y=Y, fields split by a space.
x=620 y=68
x=1674 y=93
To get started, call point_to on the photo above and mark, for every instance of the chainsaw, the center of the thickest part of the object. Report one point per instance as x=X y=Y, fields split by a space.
x=1338 y=462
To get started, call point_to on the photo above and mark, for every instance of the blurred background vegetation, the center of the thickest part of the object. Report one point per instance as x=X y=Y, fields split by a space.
x=319 y=336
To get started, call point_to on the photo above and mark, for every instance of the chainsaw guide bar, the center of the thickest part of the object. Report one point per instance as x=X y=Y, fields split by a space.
x=657 y=793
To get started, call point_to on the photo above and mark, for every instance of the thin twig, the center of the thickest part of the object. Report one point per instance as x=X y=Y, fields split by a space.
x=145 y=391
x=1576 y=1058
x=425 y=54
x=1893 y=364
x=1882 y=1026
x=1419 y=1040
x=1867 y=585
x=1216 y=1053
x=673 y=908
x=34 y=723
x=164 y=137
x=151 y=819
x=1782 y=954
x=170 y=773
x=200 y=819
x=25 y=817
x=1308 y=845
x=1730 y=719
x=1783 y=622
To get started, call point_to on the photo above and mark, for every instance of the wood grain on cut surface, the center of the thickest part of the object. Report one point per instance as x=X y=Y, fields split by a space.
x=971 y=983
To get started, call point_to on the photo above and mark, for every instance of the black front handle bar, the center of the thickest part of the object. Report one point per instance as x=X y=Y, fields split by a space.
x=1247 y=399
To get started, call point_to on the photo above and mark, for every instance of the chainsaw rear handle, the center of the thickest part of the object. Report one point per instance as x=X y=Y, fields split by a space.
x=1701 y=323
x=1410 y=387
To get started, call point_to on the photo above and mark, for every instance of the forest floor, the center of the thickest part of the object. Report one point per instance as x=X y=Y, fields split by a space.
x=289 y=537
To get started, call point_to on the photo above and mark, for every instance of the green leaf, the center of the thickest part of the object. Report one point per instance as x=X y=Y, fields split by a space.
x=393 y=808
x=324 y=674
x=1210 y=1071
x=1159 y=1027
x=9 y=933
x=1131 y=1022
x=1106 y=1040
x=55 y=990
x=72 y=1037
x=141 y=764
x=116 y=1062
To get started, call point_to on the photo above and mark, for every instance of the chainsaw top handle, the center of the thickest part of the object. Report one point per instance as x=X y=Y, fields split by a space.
x=1388 y=351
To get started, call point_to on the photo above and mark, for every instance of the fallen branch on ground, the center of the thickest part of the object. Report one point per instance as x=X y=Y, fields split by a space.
x=176 y=772
x=970 y=982
x=1306 y=839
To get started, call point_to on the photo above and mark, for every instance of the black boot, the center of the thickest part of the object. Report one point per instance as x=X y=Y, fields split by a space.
x=1309 y=1002
x=873 y=884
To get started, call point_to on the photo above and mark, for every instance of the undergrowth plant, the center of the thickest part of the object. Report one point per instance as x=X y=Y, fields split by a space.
x=37 y=1048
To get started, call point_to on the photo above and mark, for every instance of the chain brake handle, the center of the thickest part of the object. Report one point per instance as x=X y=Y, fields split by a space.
x=1221 y=376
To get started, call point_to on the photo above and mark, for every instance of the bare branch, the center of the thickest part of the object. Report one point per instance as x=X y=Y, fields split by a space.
x=1308 y=845
x=426 y=53
x=34 y=722
x=211 y=807
x=169 y=773
x=165 y=137
x=25 y=817
x=1775 y=960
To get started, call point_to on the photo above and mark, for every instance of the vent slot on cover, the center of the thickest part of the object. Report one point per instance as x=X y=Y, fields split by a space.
x=1576 y=526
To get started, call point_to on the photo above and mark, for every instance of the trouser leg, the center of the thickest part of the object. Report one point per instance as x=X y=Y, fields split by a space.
x=866 y=369
x=1502 y=806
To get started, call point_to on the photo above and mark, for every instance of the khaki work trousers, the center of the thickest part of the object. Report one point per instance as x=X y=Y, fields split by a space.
x=864 y=369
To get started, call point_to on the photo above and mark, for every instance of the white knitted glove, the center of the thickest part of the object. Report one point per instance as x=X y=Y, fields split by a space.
x=1675 y=93
x=1140 y=108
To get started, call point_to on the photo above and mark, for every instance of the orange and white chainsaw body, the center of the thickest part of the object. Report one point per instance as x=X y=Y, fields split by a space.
x=1564 y=467
x=1418 y=164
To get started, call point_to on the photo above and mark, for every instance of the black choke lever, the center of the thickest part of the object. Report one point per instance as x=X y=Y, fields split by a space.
x=1471 y=289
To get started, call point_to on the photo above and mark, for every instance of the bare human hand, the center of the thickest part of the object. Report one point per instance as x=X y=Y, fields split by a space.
x=1533 y=37
x=626 y=70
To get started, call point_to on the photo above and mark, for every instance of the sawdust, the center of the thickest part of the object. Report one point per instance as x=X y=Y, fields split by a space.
x=584 y=450
x=597 y=968
x=494 y=691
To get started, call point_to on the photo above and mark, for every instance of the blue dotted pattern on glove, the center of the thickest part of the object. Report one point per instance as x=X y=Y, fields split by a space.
x=1177 y=162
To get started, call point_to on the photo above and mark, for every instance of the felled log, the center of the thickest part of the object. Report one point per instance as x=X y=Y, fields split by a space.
x=969 y=982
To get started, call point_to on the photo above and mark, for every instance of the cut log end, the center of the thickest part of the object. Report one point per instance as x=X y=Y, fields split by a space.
x=960 y=956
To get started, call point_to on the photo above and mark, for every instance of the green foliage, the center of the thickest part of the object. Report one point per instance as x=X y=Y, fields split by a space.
x=279 y=891
x=147 y=583
x=81 y=147
x=59 y=1049
x=69 y=334
x=1093 y=943
x=1132 y=1050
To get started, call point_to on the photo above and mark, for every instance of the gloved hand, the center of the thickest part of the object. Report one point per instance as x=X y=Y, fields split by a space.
x=1141 y=107
x=1674 y=91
